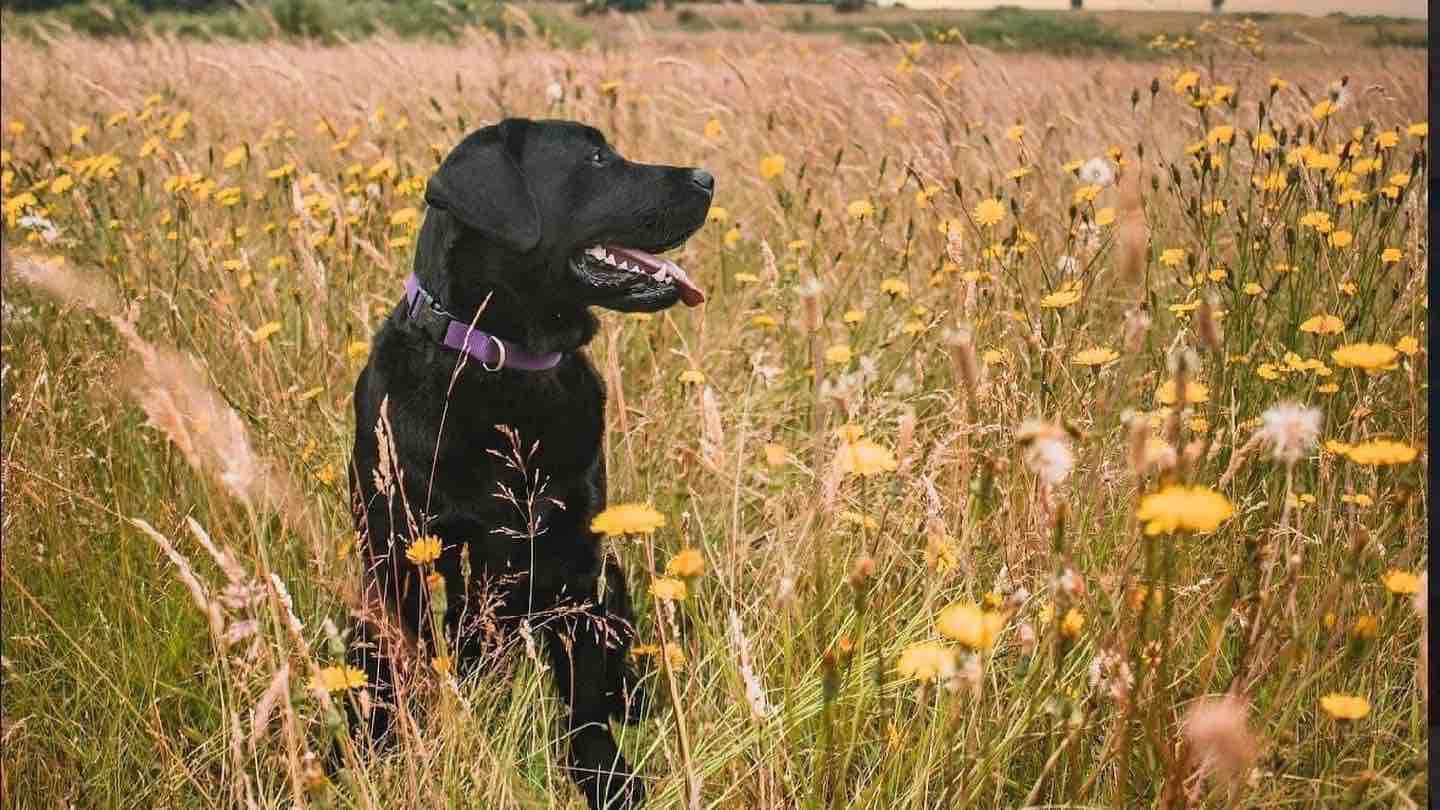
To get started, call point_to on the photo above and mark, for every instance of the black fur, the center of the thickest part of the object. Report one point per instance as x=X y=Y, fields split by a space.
x=510 y=208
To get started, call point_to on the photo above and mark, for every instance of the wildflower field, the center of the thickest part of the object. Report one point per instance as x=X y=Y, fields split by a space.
x=1052 y=435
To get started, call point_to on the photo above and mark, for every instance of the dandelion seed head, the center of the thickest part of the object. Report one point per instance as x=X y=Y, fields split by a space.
x=1291 y=430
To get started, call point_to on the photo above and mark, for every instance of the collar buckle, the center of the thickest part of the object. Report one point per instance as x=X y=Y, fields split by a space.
x=427 y=314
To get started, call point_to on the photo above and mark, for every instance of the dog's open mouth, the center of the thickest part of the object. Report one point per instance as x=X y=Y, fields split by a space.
x=633 y=280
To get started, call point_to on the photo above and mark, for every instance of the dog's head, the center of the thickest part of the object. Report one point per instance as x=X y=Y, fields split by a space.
x=563 y=221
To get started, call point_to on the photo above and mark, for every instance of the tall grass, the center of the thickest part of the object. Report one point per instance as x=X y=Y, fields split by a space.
x=945 y=360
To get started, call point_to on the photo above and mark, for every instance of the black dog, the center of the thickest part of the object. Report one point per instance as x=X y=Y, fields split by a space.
x=535 y=221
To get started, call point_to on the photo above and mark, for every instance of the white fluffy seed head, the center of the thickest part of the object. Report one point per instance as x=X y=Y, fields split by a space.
x=1291 y=430
x=1216 y=732
x=1097 y=172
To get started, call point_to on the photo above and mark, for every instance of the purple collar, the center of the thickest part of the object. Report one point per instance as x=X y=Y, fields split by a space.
x=494 y=353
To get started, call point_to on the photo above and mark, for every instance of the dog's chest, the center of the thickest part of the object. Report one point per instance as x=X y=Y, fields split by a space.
x=519 y=429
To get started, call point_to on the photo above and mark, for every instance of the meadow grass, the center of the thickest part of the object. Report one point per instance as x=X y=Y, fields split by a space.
x=977 y=435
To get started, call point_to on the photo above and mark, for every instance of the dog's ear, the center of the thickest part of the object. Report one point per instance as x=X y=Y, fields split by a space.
x=481 y=184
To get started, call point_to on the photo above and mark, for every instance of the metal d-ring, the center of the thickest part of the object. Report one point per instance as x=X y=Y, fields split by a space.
x=499 y=344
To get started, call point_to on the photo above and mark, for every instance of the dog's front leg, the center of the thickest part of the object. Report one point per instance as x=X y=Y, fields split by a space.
x=580 y=658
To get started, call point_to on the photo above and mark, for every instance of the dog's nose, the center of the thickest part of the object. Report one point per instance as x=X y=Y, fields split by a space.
x=703 y=179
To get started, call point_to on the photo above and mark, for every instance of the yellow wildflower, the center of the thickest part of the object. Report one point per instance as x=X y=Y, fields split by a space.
x=927 y=661
x=1195 y=392
x=1095 y=357
x=1381 y=452
x=1345 y=707
x=1401 y=583
x=772 y=166
x=1184 y=508
x=687 y=563
x=1323 y=324
x=627 y=518
x=338 y=679
x=423 y=550
x=669 y=589
x=968 y=624
x=1368 y=356
x=989 y=211
x=865 y=457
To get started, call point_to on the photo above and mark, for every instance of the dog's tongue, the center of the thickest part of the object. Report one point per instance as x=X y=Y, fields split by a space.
x=661 y=268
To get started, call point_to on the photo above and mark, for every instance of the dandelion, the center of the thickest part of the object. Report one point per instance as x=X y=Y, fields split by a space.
x=627 y=518
x=1401 y=583
x=838 y=355
x=1323 y=325
x=1185 y=82
x=405 y=216
x=1195 y=393
x=1367 y=356
x=1073 y=623
x=424 y=550
x=338 y=679
x=687 y=563
x=668 y=589
x=1172 y=257
x=1179 y=508
x=1407 y=345
x=772 y=166
x=1095 y=357
x=859 y=209
x=1291 y=430
x=674 y=655
x=989 y=212
x=926 y=662
x=1390 y=255
x=1097 y=172
x=1378 y=453
x=864 y=457
x=1223 y=134
x=968 y=624
x=1345 y=707
x=1216 y=733
x=263 y=332
x=1066 y=296
x=894 y=288
x=1046 y=450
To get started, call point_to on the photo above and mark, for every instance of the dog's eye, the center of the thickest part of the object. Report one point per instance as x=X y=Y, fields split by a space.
x=598 y=158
